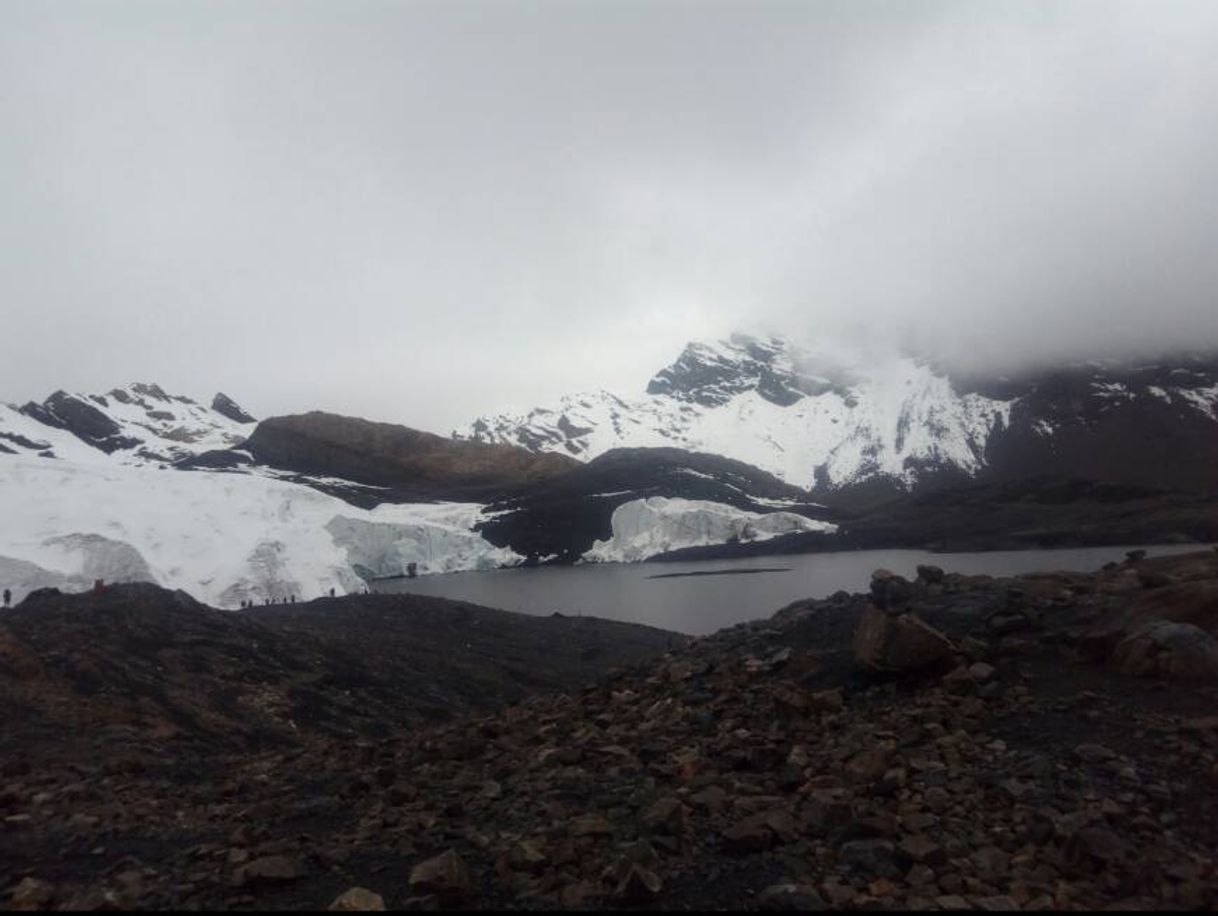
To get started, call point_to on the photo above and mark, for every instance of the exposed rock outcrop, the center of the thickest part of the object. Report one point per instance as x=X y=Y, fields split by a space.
x=223 y=404
x=900 y=643
x=1161 y=648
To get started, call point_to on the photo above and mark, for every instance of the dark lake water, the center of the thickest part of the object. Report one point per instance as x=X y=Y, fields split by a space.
x=726 y=592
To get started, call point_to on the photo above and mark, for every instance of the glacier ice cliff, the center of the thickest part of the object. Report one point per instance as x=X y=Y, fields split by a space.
x=645 y=528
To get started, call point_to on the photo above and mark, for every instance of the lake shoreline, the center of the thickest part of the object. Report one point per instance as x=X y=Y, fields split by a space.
x=673 y=596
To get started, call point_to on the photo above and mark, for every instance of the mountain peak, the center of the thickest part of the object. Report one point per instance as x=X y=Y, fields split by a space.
x=227 y=407
x=140 y=422
x=711 y=373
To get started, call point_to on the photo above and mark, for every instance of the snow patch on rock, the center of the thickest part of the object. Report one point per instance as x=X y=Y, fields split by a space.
x=644 y=528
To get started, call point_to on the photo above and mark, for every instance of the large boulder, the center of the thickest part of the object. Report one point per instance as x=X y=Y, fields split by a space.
x=1161 y=648
x=902 y=643
x=888 y=590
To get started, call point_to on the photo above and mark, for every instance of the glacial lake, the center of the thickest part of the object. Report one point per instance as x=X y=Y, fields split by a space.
x=703 y=596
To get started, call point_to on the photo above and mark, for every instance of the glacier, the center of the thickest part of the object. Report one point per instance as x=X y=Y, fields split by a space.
x=225 y=538
x=644 y=528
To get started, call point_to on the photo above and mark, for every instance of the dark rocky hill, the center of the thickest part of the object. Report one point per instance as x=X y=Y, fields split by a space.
x=562 y=516
x=1043 y=742
x=142 y=662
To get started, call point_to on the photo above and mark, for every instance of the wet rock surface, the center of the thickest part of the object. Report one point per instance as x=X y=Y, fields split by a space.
x=758 y=768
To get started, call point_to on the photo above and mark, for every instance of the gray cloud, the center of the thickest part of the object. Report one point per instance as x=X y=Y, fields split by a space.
x=422 y=211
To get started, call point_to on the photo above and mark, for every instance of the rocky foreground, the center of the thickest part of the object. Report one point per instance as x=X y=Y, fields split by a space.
x=1042 y=742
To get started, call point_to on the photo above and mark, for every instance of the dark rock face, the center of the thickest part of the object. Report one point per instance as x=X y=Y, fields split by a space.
x=24 y=442
x=226 y=406
x=65 y=411
x=712 y=376
x=222 y=459
x=413 y=464
x=563 y=516
x=1122 y=425
x=1011 y=515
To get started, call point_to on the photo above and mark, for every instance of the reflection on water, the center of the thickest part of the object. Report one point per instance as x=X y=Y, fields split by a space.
x=651 y=593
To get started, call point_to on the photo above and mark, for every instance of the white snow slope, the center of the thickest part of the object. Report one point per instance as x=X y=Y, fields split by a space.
x=222 y=537
x=644 y=528
x=854 y=423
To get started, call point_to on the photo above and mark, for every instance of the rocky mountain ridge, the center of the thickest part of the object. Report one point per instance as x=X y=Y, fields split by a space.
x=831 y=421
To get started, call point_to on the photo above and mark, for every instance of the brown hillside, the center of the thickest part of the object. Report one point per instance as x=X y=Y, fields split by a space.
x=416 y=463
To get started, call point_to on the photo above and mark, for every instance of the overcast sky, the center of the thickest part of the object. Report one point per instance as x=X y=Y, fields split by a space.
x=420 y=212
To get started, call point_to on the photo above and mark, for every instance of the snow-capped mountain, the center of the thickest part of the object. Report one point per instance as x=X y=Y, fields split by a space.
x=137 y=424
x=801 y=415
x=828 y=420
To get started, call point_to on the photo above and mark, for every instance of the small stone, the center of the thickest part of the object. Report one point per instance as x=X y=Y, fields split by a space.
x=959 y=682
x=998 y=904
x=639 y=885
x=31 y=894
x=1096 y=847
x=923 y=849
x=577 y=895
x=590 y=825
x=710 y=799
x=269 y=870
x=791 y=897
x=751 y=834
x=868 y=765
x=445 y=875
x=423 y=903
x=827 y=700
x=870 y=857
x=358 y=899
x=953 y=902
x=666 y=816
x=1093 y=753
x=981 y=671
x=526 y=856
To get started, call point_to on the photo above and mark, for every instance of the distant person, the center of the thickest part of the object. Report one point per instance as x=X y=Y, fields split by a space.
x=8 y=597
x=331 y=593
x=293 y=601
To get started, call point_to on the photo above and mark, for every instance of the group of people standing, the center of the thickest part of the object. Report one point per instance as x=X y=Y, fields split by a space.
x=291 y=599
x=245 y=605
